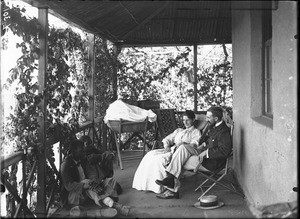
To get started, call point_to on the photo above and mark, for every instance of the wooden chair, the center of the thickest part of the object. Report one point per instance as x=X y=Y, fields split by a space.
x=214 y=176
x=168 y=121
x=165 y=124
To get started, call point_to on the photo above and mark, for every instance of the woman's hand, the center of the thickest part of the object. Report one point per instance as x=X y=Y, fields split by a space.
x=167 y=149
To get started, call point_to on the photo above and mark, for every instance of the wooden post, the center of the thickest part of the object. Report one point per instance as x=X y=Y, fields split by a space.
x=91 y=82
x=195 y=79
x=24 y=190
x=1 y=101
x=117 y=50
x=42 y=77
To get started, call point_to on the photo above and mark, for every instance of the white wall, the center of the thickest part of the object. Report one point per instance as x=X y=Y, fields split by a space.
x=265 y=158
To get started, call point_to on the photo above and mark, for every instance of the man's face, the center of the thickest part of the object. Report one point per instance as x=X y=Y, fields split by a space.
x=211 y=119
x=79 y=153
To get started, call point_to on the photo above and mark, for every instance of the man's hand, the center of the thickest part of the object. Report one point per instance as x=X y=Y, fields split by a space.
x=86 y=184
x=201 y=156
x=202 y=147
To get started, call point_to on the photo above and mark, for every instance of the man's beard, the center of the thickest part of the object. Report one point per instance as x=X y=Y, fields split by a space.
x=211 y=125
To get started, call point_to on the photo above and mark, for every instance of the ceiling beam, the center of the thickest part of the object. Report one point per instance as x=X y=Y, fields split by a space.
x=175 y=43
x=145 y=21
x=191 y=19
x=138 y=23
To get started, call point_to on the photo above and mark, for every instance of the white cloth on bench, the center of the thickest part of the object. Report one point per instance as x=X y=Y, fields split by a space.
x=120 y=110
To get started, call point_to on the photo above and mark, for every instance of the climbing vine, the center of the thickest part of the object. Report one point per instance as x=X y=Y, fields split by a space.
x=65 y=91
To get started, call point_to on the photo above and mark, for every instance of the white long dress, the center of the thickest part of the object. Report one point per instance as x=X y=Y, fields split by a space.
x=152 y=166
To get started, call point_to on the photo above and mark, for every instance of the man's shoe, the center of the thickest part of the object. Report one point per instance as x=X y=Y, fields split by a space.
x=168 y=195
x=122 y=209
x=166 y=182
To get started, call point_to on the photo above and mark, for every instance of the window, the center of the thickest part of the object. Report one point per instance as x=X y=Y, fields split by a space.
x=267 y=102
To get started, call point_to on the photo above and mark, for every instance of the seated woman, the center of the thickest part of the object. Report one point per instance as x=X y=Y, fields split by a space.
x=153 y=164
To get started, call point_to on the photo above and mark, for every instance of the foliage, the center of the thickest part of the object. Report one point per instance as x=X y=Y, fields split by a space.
x=216 y=83
x=137 y=74
x=105 y=62
x=66 y=87
x=164 y=76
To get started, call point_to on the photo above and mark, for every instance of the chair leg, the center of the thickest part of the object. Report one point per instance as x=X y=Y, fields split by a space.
x=201 y=185
x=219 y=183
x=154 y=143
x=118 y=149
x=212 y=175
x=144 y=143
x=215 y=182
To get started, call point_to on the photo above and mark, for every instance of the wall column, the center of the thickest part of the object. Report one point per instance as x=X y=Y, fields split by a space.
x=195 y=79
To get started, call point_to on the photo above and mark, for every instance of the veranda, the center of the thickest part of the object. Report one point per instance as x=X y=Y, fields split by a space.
x=135 y=29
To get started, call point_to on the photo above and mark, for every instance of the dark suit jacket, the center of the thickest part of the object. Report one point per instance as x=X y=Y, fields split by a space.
x=70 y=179
x=219 y=146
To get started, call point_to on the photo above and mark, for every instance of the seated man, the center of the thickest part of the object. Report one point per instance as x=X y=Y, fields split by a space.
x=212 y=154
x=100 y=164
x=77 y=188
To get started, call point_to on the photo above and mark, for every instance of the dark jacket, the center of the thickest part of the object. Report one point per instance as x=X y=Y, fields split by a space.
x=70 y=179
x=219 y=146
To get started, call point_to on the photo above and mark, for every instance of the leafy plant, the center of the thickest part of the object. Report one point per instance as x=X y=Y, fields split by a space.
x=65 y=91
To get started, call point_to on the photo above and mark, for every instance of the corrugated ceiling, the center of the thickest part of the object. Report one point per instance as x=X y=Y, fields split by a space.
x=148 y=23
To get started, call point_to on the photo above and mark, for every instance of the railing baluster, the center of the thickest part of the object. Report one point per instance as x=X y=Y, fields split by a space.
x=51 y=196
x=13 y=191
x=30 y=175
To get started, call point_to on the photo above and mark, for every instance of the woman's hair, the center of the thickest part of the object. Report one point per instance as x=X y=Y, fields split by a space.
x=216 y=111
x=190 y=114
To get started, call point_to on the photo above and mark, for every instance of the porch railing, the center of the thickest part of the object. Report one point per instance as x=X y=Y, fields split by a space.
x=97 y=129
x=100 y=135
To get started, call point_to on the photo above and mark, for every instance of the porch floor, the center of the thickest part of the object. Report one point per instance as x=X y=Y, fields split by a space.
x=147 y=205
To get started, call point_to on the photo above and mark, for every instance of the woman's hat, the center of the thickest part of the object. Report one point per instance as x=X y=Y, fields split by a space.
x=208 y=202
